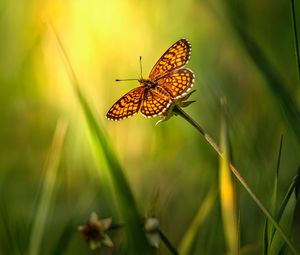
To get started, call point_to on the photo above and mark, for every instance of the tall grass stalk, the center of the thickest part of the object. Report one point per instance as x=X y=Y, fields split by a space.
x=285 y=217
x=135 y=236
x=190 y=236
x=227 y=190
x=269 y=229
x=294 y=24
x=48 y=189
x=237 y=174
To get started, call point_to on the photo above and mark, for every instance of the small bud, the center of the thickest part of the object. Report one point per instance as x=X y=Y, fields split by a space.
x=151 y=226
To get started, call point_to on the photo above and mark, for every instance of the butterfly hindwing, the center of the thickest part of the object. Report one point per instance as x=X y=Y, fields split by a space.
x=155 y=102
x=175 y=57
x=127 y=105
x=178 y=82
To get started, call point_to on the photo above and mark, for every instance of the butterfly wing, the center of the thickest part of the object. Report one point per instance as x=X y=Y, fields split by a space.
x=178 y=82
x=155 y=102
x=175 y=57
x=171 y=82
x=127 y=105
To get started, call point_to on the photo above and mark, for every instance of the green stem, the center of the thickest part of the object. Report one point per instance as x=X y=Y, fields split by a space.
x=296 y=38
x=237 y=174
x=166 y=241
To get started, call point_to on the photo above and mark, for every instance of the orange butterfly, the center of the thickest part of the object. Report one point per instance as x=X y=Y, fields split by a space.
x=168 y=80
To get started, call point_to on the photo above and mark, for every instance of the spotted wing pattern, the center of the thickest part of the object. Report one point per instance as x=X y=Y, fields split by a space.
x=178 y=82
x=175 y=57
x=168 y=80
x=155 y=102
x=127 y=105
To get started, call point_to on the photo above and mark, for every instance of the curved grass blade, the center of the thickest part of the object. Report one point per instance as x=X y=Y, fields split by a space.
x=177 y=110
x=60 y=247
x=48 y=188
x=273 y=79
x=293 y=11
x=136 y=240
x=296 y=220
x=227 y=191
x=285 y=217
x=13 y=233
x=269 y=228
x=190 y=236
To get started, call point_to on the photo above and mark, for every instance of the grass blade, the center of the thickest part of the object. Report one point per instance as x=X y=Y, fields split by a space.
x=7 y=238
x=273 y=79
x=273 y=208
x=227 y=192
x=235 y=171
x=296 y=38
x=48 y=188
x=190 y=236
x=296 y=220
x=136 y=240
x=269 y=228
x=266 y=238
x=128 y=210
x=61 y=245
x=285 y=217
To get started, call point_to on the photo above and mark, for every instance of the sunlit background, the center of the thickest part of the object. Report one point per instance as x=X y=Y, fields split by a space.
x=169 y=166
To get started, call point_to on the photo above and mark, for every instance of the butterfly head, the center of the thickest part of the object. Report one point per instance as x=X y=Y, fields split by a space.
x=147 y=83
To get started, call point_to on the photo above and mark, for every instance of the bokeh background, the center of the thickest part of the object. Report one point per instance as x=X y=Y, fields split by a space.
x=241 y=50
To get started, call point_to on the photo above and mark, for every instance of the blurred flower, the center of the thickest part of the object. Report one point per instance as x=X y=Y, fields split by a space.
x=180 y=102
x=94 y=232
x=151 y=226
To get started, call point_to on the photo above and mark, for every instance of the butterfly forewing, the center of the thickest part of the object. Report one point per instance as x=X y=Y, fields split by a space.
x=178 y=82
x=175 y=57
x=155 y=101
x=127 y=105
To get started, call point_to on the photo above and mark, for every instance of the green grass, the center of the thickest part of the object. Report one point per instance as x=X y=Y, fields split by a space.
x=50 y=184
x=48 y=191
x=114 y=174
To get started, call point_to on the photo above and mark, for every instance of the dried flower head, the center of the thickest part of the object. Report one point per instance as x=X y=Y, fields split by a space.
x=94 y=232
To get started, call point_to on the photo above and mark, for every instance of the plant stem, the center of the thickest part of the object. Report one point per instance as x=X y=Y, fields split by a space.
x=167 y=243
x=237 y=174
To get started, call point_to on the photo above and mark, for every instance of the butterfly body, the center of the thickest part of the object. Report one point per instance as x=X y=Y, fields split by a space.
x=168 y=81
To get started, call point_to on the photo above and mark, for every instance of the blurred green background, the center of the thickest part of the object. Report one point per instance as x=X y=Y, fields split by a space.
x=241 y=50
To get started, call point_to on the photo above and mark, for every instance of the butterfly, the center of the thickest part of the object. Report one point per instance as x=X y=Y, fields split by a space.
x=168 y=80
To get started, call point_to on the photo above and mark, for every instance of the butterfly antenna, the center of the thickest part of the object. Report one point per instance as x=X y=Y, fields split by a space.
x=141 y=67
x=127 y=79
